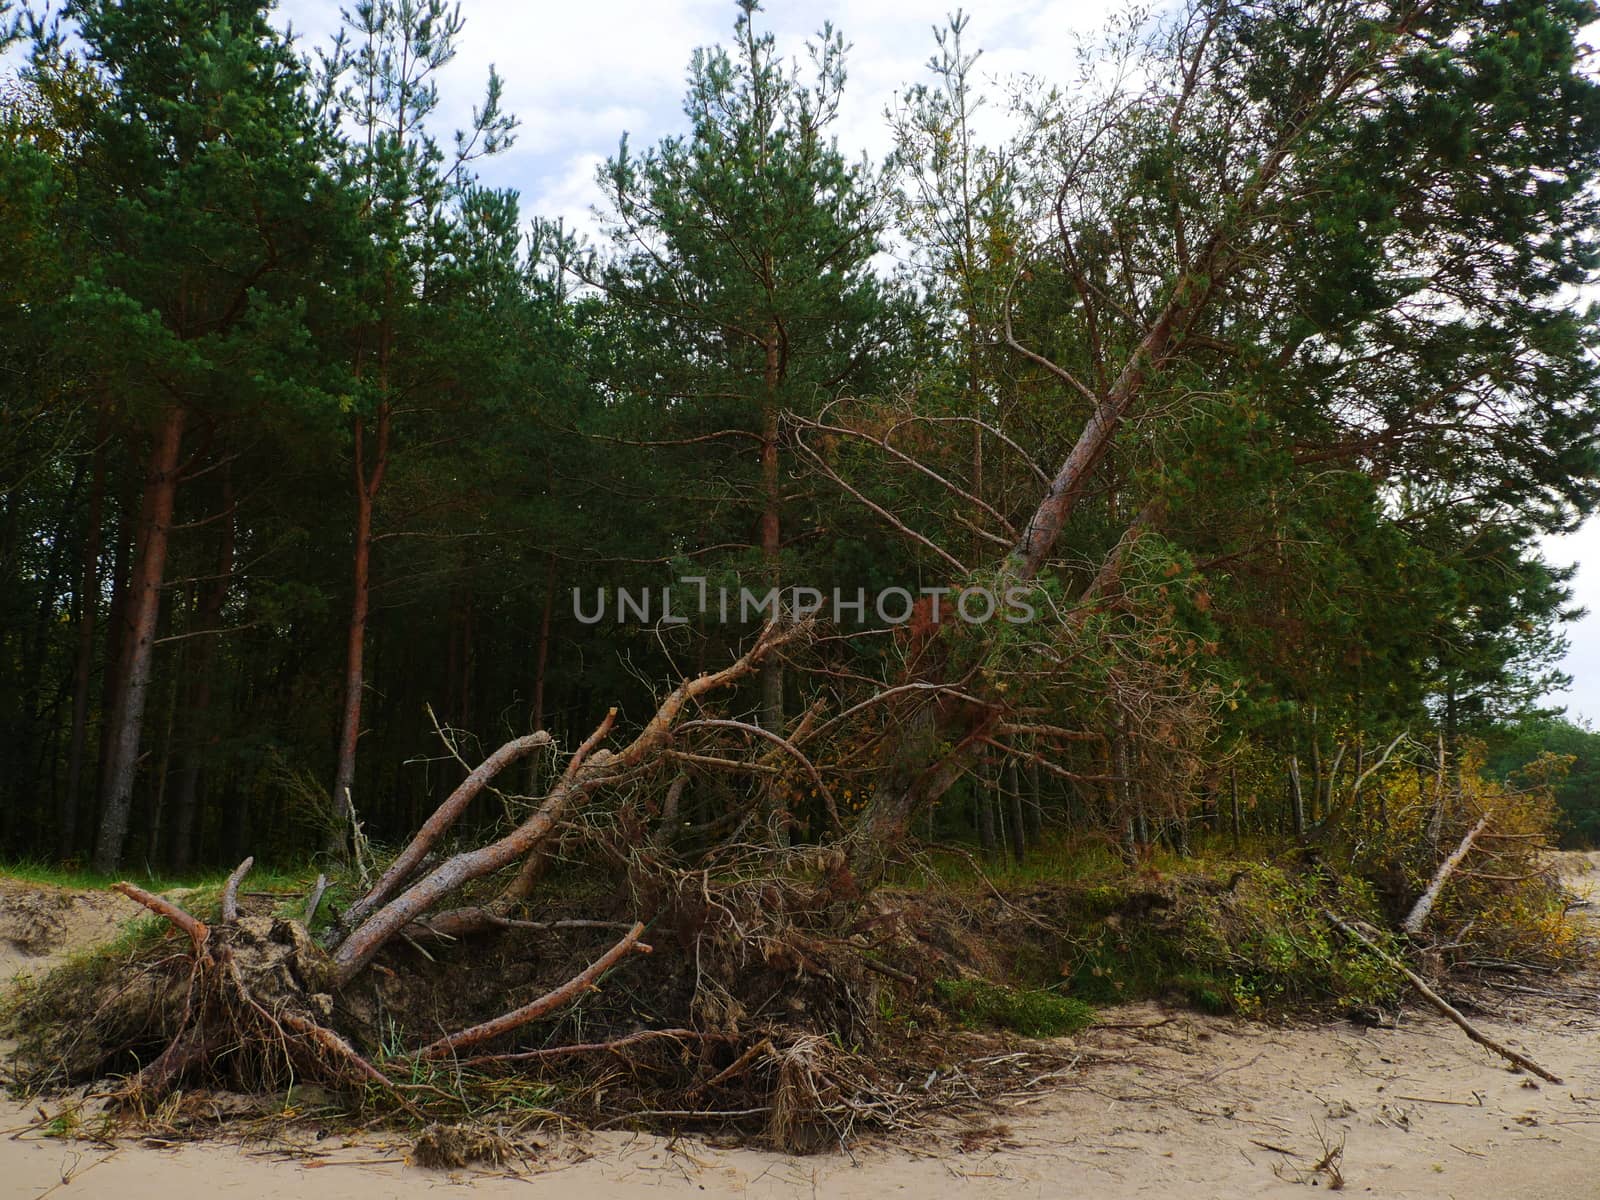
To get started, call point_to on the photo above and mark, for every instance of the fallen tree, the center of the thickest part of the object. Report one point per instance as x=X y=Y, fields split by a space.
x=261 y=992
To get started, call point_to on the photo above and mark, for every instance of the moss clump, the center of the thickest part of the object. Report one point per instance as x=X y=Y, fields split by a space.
x=1034 y=1012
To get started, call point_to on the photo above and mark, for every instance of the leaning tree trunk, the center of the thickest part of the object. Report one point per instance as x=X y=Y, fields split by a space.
x=144 y=607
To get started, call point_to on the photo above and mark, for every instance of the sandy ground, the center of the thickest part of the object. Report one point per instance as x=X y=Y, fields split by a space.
x=1190 y=1106
x=40 y=926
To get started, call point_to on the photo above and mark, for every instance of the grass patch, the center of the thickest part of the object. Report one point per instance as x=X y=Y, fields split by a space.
x=1034 y=1012
x=48 y=874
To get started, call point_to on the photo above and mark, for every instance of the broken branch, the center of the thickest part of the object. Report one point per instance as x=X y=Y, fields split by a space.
x=546 y=1003
x=230 y=890
x=1425 y=902
x=193 y=926
x=1440 y=1003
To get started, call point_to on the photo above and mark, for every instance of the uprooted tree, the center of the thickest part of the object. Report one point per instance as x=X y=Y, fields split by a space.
x=1265 y=387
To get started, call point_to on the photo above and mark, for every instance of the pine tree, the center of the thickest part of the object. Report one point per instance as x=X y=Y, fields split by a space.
x=206 y=207
x=742 y=276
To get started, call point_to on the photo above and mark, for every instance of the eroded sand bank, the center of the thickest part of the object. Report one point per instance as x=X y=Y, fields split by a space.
x=1190 y=1106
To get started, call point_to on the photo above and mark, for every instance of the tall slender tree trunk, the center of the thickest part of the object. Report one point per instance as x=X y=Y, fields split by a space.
x=158 y=793
x=208 y=617
x=771 y=542
x=1015 y=826
x=1296 y=797
x=1316 y=768
x=31 y=804
x=983 y=797
x=144 y=607
x=83 y=664
x=114 y=669
x=541 y=653
x=367 y=486
x=541 y=664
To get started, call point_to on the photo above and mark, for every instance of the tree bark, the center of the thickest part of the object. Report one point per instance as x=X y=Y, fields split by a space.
x=207 y=617
x=586 y=770
x=144 y=607
x=83 y=664
x=1425 y=902
x=771 y=543
x=158 y=792
x=983 y=797
x=1297 y=799
x=1015 y=827
x=114 y=669
x=541 y=655
x=356 y=639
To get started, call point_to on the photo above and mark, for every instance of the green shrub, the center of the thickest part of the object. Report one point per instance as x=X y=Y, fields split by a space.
x=1035 y=1012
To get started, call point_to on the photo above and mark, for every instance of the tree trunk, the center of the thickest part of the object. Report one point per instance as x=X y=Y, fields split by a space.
x=772 y=668
x=1035 y=803
x=1296 y=797
x=541 y=657
x=158 y=795
x=30 y=745
x=114 y=669
x=356 y=642
x=208 y=617
x=1316 y=769
x=541 y=664
x=83 y=664
x=1238 y=817
x=983 y=797
x=144 y=607
x=1015 y=827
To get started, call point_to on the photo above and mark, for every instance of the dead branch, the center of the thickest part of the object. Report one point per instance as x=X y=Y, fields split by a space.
x=314 y=901
x=1440 y=1003
x=1336 y=812
x=1425 y=902
x=193 y=926
x=230 y=890
x=787 y=746
x=738 y=766
x=588 y=769
x=614 y=1046
x=763 y=1048
x=437 y=825
x=893 y=521
x=546 y=1003
x=460 y=922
